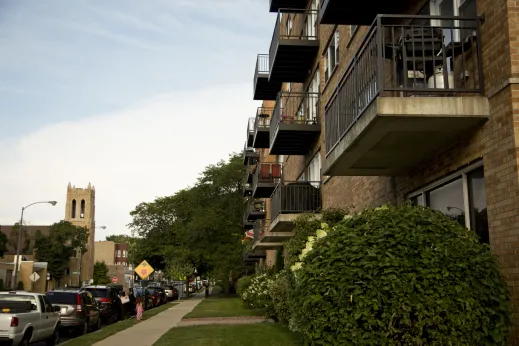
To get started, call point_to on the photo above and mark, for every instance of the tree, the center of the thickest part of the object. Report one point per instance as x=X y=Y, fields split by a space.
x=3 y=244
x=56 y=249
x=12 y=241
x=199 y=227
x=101 y=273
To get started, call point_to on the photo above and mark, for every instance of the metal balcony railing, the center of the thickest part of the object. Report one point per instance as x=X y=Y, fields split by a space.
x=428 y=56
x=267 y=172
x=249 y=154
x=302 y=26
x=250 y=126
x=294 y=108
x=254 y=206
x=263 y=115
x=262 y=66
x=294 y=197
x=260 y=228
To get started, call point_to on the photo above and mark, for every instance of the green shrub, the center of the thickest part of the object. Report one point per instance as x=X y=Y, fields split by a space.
x=400 y=276
x=243 y=283
x=19 y=287
x=280 y=292
x=257 y=295
x=305 y=225
x=1 y=285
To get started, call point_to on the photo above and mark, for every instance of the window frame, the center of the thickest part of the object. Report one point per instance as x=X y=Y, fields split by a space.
x=331 y=50
x=464 y=172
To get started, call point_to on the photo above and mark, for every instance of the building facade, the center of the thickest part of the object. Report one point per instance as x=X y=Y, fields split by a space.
x=80 y=211
x=387 y=102
x=111 y=253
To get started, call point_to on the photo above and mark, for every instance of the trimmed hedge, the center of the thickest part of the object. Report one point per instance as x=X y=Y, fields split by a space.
x=400 y=276
x=243 y=283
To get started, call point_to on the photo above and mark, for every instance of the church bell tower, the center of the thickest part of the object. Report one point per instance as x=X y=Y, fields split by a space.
x=80 y=211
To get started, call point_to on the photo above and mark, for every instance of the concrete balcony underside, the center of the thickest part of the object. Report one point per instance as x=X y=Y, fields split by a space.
x=264 y=89
x=396 y=133
x=276 y=5
x=293 y=60
x=345 y=12
x=276 y=237
x=263 y=190
x=258 y=245
x=294 y=139
x=261 y=138
x=284 y=224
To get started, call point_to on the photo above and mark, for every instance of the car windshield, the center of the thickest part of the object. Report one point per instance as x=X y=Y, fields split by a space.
x=17 y=298
x=62 y=297
x=98 y=292
x=139 y=292
x=151 y=290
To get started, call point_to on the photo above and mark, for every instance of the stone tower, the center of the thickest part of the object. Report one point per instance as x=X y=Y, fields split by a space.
x=80 y=211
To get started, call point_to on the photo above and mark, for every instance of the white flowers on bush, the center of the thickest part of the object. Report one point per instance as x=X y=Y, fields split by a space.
x=257 y=294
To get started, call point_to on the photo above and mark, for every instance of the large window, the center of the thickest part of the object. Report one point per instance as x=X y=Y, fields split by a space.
x=312 y=172
x=462 y=197
x=331 y=58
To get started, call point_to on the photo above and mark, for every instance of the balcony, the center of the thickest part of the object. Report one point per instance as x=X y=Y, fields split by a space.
x=279 y=5
x=295 y=123
x=250 y=156
x=250 y=132
x=268 y=240
x=408 y=93
x=247 y=185
x=293 y=52
x=262 y=128
x=263 y=88
x=252 y=256
x=254 y=210
x=291 y=198
x=265 y=179
x=359 y=13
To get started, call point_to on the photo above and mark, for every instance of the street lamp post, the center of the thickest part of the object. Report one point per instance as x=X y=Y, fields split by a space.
x=79 y=261
x=15 y=271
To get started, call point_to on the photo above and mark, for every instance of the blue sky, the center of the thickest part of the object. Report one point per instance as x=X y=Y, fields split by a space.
x=134 y=96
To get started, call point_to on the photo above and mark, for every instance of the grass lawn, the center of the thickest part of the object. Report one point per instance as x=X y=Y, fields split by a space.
x=92 y=338
x=261 y=334
x=221 y=307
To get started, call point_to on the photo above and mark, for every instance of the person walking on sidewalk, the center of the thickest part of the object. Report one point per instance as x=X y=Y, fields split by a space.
x=139 y=310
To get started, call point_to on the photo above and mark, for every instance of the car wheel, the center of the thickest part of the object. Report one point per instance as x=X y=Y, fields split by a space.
x=24 y=342
x=53 y=340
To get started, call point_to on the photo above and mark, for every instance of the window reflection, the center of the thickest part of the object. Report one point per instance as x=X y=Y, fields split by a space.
x=448 y=199
x=478 y=204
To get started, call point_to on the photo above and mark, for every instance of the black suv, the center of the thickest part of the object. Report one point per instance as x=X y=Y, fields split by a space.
x=110 y=304
x=78 y=309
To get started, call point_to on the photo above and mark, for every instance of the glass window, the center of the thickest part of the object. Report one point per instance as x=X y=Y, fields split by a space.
x=448 y=199
x=417 y=200
x=69 y=298
x=478 y=204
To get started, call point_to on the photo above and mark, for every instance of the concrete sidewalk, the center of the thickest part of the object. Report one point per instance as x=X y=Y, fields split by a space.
x=148 y=332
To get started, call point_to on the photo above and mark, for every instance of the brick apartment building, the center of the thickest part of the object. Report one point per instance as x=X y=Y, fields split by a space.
x=379 y=102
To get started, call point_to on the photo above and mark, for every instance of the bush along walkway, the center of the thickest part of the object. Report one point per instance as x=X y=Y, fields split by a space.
x=149 y=331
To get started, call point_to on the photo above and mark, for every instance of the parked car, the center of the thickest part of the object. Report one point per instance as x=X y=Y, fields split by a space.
x=145 y=295
x=154 y=296
x=160 y=293
x=110 y=304
x=172 y=292
x=28 y=318
x=78 y=310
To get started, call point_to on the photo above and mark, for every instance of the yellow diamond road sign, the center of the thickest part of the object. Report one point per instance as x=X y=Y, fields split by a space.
x=144 y=270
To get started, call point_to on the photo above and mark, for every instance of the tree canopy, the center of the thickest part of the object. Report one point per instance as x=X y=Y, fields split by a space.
x=61 y=244
x=197 y=227
x=101 y=273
